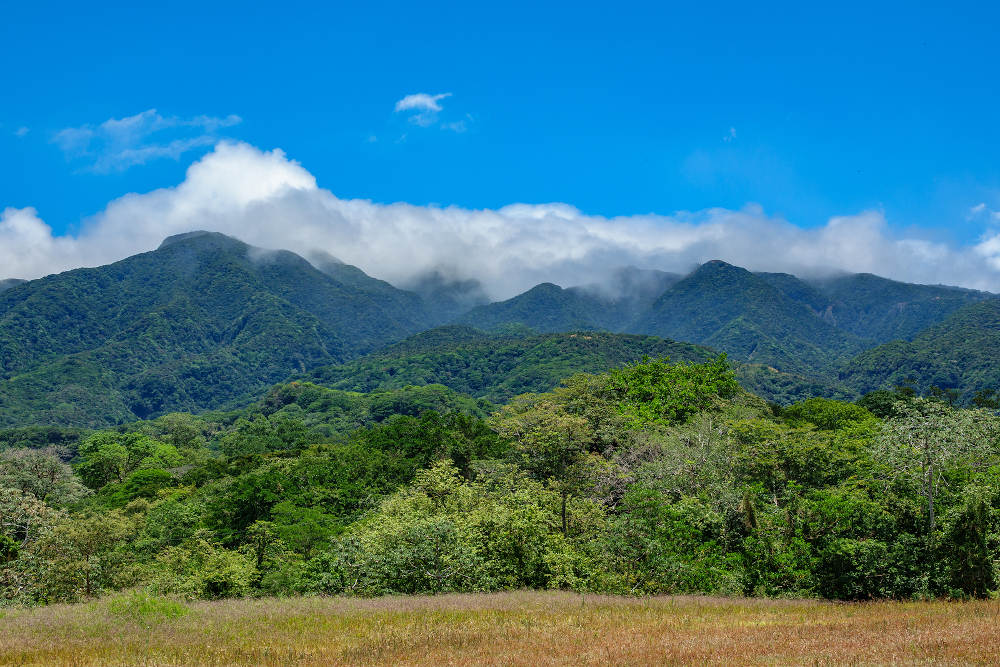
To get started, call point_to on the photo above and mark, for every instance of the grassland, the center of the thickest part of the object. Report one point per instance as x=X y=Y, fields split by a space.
x=524 y=628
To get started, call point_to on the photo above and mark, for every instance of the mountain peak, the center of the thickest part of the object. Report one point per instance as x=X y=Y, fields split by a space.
x=718 y=265
x=197 y=234
x=545 y=288
x=718 y=272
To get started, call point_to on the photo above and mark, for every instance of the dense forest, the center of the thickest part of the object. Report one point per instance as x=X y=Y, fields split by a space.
x=654 y=477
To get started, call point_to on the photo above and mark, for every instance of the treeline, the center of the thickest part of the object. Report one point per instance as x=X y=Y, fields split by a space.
x=653 y=478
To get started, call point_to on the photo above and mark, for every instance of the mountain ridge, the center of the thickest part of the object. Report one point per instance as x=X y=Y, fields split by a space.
x=206 y=319
x=203 y=319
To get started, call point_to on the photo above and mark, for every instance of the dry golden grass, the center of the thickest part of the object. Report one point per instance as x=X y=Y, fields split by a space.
x=523 y=628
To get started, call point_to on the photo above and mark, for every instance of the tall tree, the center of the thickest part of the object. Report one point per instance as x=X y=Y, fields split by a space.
x=928 y=439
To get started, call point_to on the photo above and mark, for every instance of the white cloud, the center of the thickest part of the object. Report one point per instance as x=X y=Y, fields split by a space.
x=459 y=126
x=21 y=131
x=729 y=138
x=421 y=102
x=120 y=143
x=424 y=109
x=984 y=213
x=271 y=201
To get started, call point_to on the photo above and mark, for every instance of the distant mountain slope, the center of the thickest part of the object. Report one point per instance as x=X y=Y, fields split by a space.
x=500 y=366
x=802 y=292
x=7 y=283
x=198 y=322
x=403 y=304
x=962 y=352
x=882 y=310
x=745 y=315
x=206 y=320
x=495 y=366
x=550 y=308
x=448 y=298
x=546 y=308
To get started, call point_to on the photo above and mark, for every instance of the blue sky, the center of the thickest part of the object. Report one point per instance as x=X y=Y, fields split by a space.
x=809 y=110
x=616 y=108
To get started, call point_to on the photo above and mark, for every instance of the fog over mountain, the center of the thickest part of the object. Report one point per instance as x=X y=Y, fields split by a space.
x=269 y=200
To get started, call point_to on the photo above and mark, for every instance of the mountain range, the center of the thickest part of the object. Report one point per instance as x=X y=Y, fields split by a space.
x=206 y=321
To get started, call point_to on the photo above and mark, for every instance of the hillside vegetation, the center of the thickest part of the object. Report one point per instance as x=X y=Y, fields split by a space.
x=961 y=353
x=207 y=322
x=499 y=365
x=653 y=478
x=506 y=362
x=201 y=321
x=733 y=310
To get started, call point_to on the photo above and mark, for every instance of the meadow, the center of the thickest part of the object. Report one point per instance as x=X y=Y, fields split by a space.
x=518 y=628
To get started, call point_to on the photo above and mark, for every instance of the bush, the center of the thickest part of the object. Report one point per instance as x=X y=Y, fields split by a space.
x=200 y=569
x=851 y=569
x=145 y=608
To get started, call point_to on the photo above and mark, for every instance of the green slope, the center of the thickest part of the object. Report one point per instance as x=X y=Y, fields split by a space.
x=448 y=298
x=962 y=352
x=883 y=310
x=733 y=310
x=545 y=308
x=7 y=283
x=495 y=366
x=499 y=366
x=199 y=322
x=549 y=308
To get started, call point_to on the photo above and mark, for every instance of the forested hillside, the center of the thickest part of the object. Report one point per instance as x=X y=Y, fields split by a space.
x=653 y=478
x=206 y=321
x=8 y=283
x=201 y=321
x=548 y=308
x=501 y=364
x=962 y=353
x=742 y=314
x=882 y=310
x=496 y=366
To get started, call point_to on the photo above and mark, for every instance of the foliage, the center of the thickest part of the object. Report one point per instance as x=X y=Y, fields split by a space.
x=655 y=392
x=742 y=314
x=651 y=478
x=497 y=366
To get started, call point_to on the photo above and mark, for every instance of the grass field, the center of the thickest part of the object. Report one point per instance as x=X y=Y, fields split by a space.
x=523 y=628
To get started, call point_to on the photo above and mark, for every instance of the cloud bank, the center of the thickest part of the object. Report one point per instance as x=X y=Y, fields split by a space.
x=268 y=200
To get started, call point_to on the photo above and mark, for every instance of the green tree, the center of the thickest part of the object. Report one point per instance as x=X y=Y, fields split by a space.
x=111 y=457
x=657 y=392
x=966 y=548
x=42 y=473
x=550 y=443
x=78 y=558
x=928 y=439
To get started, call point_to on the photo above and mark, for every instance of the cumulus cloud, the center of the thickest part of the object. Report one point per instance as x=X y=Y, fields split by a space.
x=269 y=200
x=120 y=143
